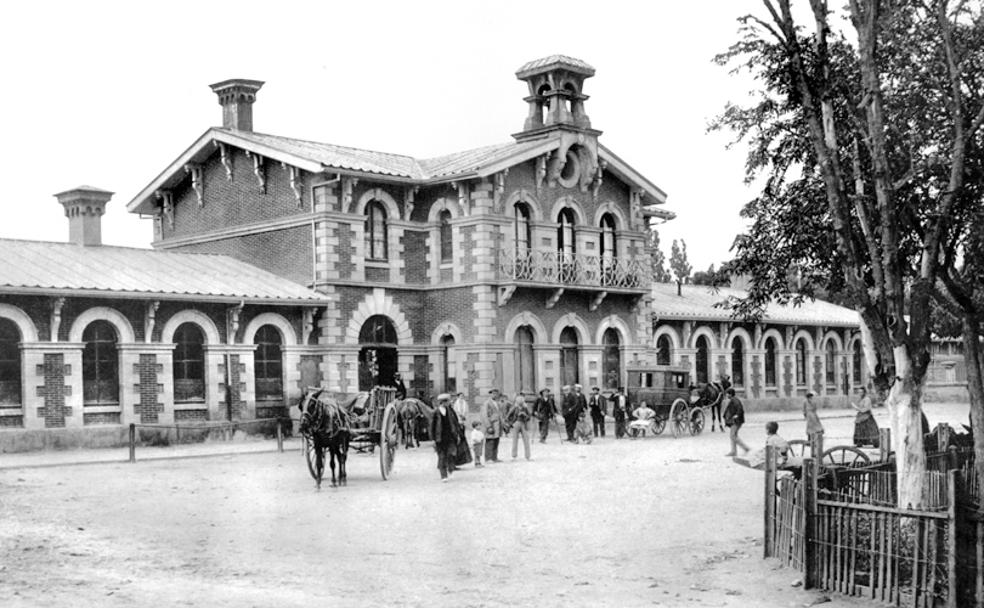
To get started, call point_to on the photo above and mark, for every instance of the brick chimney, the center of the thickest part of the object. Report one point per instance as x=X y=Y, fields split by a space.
x=236 y=96
x=84 y=207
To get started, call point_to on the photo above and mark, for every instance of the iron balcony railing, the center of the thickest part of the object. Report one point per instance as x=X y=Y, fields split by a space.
x=574 y=269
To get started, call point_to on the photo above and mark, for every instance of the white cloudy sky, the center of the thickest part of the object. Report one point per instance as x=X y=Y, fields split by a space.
x=107 y=93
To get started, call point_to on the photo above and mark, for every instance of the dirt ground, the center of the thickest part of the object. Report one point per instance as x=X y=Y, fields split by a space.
x=648 y=522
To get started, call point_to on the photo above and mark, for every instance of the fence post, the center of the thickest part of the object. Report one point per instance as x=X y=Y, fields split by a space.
x=280 y=435
x=770 y=501
x=816 y=452
x=884 y=444
x=133 y=442
x=953 y=585
x=809 y=484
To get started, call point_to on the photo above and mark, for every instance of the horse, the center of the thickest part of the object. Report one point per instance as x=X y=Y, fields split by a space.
x=711 y=394
x=414 y=418
x=326 y=424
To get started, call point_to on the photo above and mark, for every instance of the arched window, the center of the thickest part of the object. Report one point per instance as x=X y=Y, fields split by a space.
x=664 y=350
x=525 y=361
x=609 y=249
x=800 y=362
x=376 y=231
x=448 y=371
x=268 y=364
x=565 y=232
x=10 y=363
x=100 y=365
x=703 y=360
x=770 y=362
x=524 y=232
x=447 y=248
x=569 y=372
x=611 y=359
x=856 y=371
x=189 y=363
x=830 y=358
x=738 y=362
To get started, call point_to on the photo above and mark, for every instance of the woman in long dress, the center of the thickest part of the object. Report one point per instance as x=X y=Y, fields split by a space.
x=865 y=427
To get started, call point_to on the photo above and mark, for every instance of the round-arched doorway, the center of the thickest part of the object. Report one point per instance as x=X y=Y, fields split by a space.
x=377 y=353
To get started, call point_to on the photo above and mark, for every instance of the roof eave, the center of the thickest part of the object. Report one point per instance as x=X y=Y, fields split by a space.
x=625 y=171
x=151 y=295
x=198 y=151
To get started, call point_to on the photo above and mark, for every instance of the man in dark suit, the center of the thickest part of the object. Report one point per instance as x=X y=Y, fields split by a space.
x=597 y=407
x=544 y=409
x=569 y=410
x=401 y=389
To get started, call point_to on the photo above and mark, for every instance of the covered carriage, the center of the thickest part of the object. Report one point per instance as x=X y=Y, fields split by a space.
x=667 y=390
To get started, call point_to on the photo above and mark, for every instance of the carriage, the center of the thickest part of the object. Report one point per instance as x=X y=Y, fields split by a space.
x=667 y=390
x=372 y=423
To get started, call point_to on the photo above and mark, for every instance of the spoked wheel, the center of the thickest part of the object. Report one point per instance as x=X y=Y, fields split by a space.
x=798 y=447
x=311 y=456
x=845 y=456
x=679 y=422
x=659 y=424
x=389 y=441
x=696 y=421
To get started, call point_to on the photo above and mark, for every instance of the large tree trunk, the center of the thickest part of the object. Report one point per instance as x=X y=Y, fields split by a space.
x=975 y=386
x=905 y=409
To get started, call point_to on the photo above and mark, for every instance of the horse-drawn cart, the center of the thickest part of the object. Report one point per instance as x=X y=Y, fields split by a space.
x=365 y=421
x=667 y=391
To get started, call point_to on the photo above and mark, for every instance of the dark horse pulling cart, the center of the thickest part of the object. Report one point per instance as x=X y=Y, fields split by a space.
x=675 y=399
x=363 y=421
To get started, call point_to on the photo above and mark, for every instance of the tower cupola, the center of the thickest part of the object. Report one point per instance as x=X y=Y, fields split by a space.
x=556 y=99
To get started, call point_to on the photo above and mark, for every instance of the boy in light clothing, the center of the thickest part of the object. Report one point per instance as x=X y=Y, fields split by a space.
x=478 y=442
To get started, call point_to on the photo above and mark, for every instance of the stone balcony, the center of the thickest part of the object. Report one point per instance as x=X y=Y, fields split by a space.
x=570 y=271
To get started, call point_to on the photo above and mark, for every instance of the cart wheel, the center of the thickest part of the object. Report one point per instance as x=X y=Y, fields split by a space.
x=311 y=456
x=696 y=421
x=389 y=440
x=798 y=447
x=845 y=455
x=658 y=425
x=679 y=422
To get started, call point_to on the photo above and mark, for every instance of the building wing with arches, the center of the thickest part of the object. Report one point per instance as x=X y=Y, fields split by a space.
x=773 y=363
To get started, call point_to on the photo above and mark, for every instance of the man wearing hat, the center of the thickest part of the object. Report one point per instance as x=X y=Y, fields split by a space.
x=568 y=409
x=596 y=404
x=401 y=389
x=544 y=409
x=492 y=424
x=445 y=432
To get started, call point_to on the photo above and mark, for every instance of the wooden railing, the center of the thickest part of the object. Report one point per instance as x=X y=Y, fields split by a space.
x=575 y=269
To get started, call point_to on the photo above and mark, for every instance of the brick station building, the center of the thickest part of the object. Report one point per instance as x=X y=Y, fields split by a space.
x=280 y=263
x=520 y=265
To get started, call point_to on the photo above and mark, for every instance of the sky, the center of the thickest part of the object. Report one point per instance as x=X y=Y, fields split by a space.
x=107 y=94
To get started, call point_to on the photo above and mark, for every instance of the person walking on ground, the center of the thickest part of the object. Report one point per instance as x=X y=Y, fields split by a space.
x=568 y=409
x=492 y=425
x=445 y=433
x=545 y=410
x=518 y=419
x=813 y=424
x=478 y=442
x=865 y=427
x=598 y=410
x=619 y=411
x=734 y=417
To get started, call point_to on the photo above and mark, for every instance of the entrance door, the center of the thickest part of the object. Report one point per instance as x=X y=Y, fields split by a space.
x=612 y=366
x=378 y=355
x=568 y=356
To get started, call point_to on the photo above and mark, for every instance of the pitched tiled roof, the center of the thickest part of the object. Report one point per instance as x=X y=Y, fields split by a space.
x=355 y=159
x=554 y=60
x=42 y=267
x=697 y=302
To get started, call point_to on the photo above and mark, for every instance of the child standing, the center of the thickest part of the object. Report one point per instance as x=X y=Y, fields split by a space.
x=477 y=441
